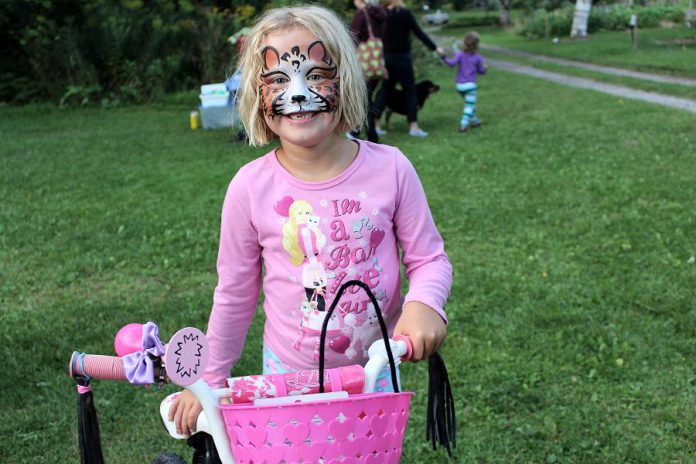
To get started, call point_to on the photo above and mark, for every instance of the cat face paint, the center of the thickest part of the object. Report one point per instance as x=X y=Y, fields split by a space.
x=298 y=82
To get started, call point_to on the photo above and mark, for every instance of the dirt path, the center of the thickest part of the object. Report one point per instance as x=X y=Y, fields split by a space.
x=646 y=76
x=582 y=83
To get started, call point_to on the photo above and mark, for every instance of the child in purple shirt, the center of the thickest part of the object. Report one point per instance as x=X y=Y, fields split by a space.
x=470 y=64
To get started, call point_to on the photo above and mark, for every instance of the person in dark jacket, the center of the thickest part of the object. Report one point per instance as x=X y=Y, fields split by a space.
x=369 y=10
x=397 y=54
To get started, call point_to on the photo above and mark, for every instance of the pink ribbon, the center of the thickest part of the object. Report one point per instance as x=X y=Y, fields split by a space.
x=82 y=389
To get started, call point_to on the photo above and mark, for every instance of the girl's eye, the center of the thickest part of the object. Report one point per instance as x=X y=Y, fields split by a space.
x=315 y=77
x=280 y=80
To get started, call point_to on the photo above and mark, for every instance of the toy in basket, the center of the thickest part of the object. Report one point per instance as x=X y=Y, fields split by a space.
x=316 y=416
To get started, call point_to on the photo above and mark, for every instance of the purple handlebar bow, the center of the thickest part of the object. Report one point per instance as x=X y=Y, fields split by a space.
x=138 y=366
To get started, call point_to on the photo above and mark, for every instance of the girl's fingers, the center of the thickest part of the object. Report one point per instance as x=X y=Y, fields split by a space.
x=429 y=348
x=430 y=343
x=192 y=419
x=177 y=420
x=417 y=345
x=437 y=343
x=173 y=408
x=182 y=419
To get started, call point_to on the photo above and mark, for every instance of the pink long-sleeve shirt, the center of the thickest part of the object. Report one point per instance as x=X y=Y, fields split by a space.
x=310 y=238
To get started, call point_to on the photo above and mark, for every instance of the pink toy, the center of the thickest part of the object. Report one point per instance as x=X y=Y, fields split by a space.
x=129 y=339
x=246 y=389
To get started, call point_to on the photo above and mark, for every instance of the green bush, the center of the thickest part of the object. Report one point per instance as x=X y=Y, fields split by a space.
x=544 y=23
x=558 y=22
x=650 y=16
x=486 y=5
x=112 y=52
x=474 y=20
x=614 y=17
x=108 y=51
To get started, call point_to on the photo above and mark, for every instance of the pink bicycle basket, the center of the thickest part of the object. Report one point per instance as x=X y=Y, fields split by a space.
x=366 y=428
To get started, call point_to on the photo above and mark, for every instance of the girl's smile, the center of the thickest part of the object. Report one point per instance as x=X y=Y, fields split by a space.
x=302 y=117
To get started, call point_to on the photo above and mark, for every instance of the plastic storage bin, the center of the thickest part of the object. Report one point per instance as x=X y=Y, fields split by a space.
x=213 y=95
x=214 y=100
x=216 y=117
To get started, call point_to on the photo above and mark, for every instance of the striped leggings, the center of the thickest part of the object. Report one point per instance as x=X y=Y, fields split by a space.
x=468 y=93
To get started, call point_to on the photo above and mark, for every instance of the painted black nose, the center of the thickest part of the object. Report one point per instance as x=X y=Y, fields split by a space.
x=298 y=98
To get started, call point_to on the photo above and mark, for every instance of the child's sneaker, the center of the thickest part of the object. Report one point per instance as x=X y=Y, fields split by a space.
x=475 y=122
x=380 y=131
x=464 y=127
x=417 y=133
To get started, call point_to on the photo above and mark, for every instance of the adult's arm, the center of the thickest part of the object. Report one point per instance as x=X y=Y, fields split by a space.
x=378 y=15
x=416 y=29
x=357 y=25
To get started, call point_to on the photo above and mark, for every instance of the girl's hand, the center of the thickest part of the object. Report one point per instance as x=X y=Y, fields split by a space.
x=424 y=327
x=184 y=412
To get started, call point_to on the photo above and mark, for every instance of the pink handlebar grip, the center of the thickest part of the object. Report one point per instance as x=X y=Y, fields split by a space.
x=97 y=366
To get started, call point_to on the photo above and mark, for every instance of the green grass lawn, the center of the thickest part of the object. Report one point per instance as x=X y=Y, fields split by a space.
x=569 y=219
x=676 y=90
x=667 y=51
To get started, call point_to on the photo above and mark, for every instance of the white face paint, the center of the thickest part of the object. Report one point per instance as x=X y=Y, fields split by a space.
x=298 y=81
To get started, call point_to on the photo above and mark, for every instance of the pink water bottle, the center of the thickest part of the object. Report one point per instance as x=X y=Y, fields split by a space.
x=251 y=387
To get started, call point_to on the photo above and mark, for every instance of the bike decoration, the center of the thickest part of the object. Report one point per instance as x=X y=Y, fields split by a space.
x=323 y=415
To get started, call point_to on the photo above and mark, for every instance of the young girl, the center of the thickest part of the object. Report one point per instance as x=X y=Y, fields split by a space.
x=470 y=64
x=317 y=211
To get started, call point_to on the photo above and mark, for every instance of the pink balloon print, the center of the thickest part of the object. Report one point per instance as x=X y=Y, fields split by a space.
x=376 y=237
x=339 y=344
x=282 y=206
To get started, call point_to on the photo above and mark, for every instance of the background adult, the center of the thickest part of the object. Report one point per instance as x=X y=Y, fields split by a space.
x=397 y=53
x=371 y=11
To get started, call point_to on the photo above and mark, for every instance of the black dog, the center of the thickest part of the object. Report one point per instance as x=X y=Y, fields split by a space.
x=396 y=102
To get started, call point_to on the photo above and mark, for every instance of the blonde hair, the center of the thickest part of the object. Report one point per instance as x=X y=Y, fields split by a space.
x=328 y=28
x=291 y=242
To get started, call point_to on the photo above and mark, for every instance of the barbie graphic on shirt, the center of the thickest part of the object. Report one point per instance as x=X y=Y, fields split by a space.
x=311 y=324
x=304 y=240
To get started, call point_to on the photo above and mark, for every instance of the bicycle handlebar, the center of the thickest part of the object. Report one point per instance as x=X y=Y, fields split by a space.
x=97 y=366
